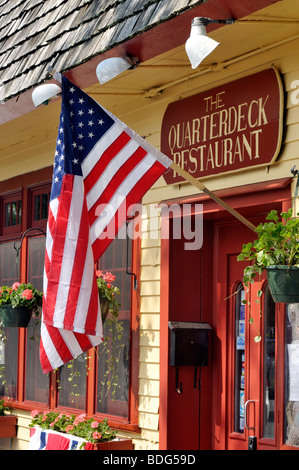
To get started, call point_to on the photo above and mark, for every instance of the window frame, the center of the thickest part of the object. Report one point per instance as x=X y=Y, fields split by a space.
x=11 y=231
x=28 y=186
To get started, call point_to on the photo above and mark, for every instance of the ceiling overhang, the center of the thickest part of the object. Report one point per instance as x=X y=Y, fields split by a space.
x=149 y=44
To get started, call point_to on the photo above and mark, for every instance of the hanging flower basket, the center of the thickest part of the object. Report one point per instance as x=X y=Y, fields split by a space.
x=17 y=303
x=18 y=317
x=284 y=283
x=108 y=294
x=104 y=308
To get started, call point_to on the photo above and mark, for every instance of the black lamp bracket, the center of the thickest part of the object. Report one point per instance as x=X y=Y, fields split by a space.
x=205 y=21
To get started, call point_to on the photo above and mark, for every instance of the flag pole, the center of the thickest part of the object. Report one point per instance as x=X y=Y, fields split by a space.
x=199 y=185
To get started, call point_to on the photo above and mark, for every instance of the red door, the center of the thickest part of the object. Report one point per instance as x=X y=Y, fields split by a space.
x=249 y=395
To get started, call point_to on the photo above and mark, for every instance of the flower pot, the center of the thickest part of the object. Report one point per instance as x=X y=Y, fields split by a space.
x=284 y=283
x=116 y=444
x=14 y=317
x=8 y=426
x=104 y=308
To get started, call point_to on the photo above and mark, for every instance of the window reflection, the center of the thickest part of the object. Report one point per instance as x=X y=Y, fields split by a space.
x=239 y=359
x=292 y=376
x=72 y=383
x=9 y=273
x=269 y=366
x=113 y=384
x=37 y=383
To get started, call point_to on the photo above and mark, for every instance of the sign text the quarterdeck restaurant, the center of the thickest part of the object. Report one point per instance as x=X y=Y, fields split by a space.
x=232 y=127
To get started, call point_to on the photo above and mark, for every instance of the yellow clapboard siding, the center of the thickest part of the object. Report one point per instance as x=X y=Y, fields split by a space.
x=152 y=436
x=149 y=387
x=292 y=115
x=150 y=338
x=149 y=288
x=150 y=404
x=149 y=420
x=149 y=273
x=150 y=321
x=150 y=304
x=146 y=445
x=148 y=371
x=150 y=243
x=150 y=257
x=292 y=133
x=149 y=354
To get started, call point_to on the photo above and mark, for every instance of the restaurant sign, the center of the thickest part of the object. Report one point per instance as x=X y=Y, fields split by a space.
x=229 y=128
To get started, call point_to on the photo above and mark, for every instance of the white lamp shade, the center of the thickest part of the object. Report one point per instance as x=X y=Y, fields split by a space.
x=44 y=93
x=110 y=68
x=198 y=45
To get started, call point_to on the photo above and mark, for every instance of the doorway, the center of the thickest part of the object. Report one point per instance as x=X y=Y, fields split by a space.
x=241 y=400
x=250 y=363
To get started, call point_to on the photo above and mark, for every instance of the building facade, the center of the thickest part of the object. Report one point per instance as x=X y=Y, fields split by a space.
x=232 y=125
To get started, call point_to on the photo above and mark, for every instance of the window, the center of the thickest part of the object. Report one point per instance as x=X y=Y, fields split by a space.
x=77 y=384
x=269 y=366
x=40 y=199
x=291 y=376
x=9 y=273
x=114 y=400
x=72 y=383
x=11 y=214
x=40 y=206
x=36 y=383
x=239 y=360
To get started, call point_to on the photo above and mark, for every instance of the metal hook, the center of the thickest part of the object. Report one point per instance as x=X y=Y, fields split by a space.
x=195 y=380
x=179 y=388
x=293 y=171
x=127 y=257
x=17 y=248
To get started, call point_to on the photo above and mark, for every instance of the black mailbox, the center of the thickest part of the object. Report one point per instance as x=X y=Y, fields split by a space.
x=189 y=343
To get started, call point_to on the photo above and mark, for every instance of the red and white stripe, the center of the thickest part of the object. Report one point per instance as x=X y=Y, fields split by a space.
x=116 y=174
x=71 y=312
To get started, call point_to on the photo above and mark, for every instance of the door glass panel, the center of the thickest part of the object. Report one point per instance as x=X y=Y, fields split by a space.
x=292 y=376
x=269 y=366
x=239 y=360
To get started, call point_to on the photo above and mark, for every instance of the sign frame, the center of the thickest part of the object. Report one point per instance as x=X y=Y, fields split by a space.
x=191 y=126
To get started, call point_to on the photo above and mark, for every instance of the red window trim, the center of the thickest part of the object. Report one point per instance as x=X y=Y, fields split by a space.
x=29 y=185
x=12 y=230
x=243 y=197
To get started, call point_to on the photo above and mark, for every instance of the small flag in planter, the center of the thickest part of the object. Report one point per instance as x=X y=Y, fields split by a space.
x=52 y=440
x=101 y=168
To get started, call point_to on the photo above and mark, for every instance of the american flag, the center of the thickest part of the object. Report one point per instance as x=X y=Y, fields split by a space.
x=101 y=168
x=53 y=440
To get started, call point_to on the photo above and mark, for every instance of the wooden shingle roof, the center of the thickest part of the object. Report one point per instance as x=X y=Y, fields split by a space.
x=66 y=33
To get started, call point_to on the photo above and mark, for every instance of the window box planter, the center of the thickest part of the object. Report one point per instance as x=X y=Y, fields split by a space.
x=8 y=426
x=54 y=440
x=116 y=444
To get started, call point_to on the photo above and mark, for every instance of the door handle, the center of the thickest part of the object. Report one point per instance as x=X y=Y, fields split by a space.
x=252 y=428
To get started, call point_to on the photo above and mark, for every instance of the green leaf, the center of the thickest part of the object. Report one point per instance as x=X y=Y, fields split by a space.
x=257 y=338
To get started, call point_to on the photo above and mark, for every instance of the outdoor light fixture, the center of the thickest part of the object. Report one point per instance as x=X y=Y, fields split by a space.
x=199 y=45
x=43 y=93
x=110 y=68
